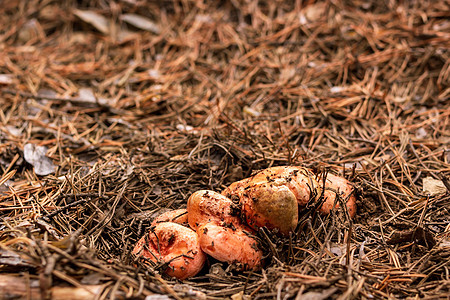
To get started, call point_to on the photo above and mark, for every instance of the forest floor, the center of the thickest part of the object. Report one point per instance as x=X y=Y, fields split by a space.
x=112 y=112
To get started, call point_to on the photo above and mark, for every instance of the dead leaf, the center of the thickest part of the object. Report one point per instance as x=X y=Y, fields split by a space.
x=35 y=155
x=141 y=22
x=93 y=18
x=433 y=186
x=6 y=78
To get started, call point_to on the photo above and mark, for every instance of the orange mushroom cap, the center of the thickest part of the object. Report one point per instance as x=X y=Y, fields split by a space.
x=174 y=244
x=208 y=206
x=220 y=229
x=299 y=180
x=269 y=205
x=337 y=184
x=230 y=245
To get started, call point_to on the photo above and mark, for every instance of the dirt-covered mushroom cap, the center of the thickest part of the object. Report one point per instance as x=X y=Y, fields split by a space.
x=232 y=245
x=207 y=206
x=174 y=244
x=338 y=185
x=269 y=205
x=299 y=180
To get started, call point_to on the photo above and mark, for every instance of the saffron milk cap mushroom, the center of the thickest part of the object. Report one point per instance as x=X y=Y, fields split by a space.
x=267 y=198
x=232 y=245
x=174 y=244
x=336 y=184
x=270 y=205
x=206 y=206
x=221 y=231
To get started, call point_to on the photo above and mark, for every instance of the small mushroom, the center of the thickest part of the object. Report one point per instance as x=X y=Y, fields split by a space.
x=266 y=197
x=175 y=245
x=232 y=245
x=271 y=197
x=335 y=184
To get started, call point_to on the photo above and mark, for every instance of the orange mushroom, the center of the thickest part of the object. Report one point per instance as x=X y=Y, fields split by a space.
x=267 y=198
x=271 y=197
x=206 y=206
x=230 y=245
x=335 y=184
x=221 y=231
x=174 y=244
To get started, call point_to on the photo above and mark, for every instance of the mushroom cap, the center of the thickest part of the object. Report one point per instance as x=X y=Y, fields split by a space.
x=299 y=180
x=270 y=205
x=208 y=206
x=337 y=184
x=230 y=245
x=266 y=197
x=178 y=216
x=174 y=244
x=236 y=189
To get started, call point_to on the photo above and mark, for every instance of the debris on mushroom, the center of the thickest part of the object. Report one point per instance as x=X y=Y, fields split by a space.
x=269 y=205
x=232 y=245
x=175 y=245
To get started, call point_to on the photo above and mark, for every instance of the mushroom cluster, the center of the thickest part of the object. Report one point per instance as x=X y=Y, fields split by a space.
x=218 y=224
